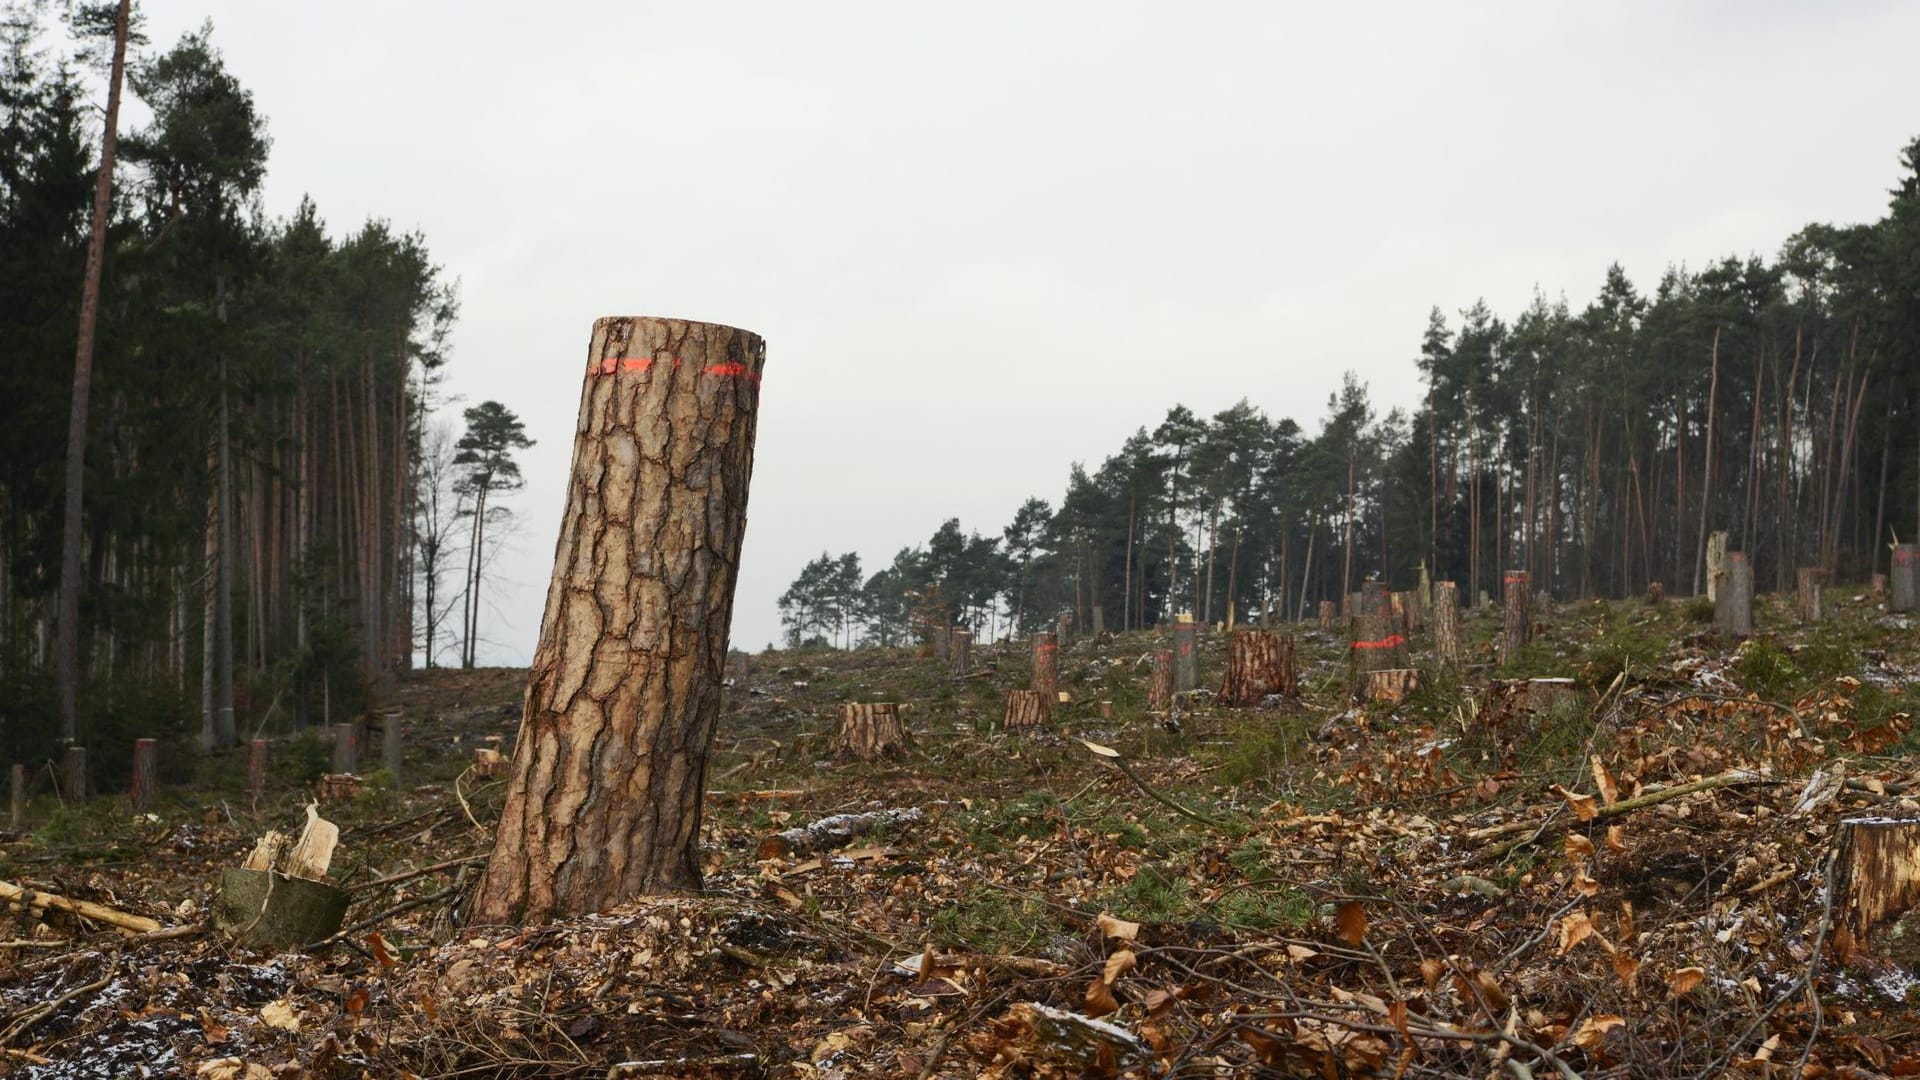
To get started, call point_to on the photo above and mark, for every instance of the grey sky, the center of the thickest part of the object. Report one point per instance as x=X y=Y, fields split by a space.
x=984 y=241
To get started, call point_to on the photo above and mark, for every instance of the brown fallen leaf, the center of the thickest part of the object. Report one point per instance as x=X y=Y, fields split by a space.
x=1685 y=980
x=1118 y=928
x=1351 y=917
x=1117 y=965
x=1583 y=806
x=1574 y=929
x=1603 y=780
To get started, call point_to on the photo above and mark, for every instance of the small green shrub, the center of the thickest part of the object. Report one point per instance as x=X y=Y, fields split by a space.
x=1698 y=609
x=1765 y=669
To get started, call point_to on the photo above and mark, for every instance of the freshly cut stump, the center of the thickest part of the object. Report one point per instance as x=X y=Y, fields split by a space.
x=1160 y=682
x=1326 y=614
x=1389 y=684
x=1258 y=664
x=1806 y=593
x=265 y=909
x=1876 y=877
x=871 y=731
x=1025 y=709
x=1905 y=580
x=960 y=650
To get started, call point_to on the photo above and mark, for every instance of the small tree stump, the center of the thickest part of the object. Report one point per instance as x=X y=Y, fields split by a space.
x=1160 y=681
x=1905 y=580
x=346 y=752
x=960 y=650
x=1106 y=710
x=1326 y=614
x=940 y=637
x=1026 y=709
x=1733 y=605
x=1388 y=684
x=1517 y=627
x=1376 y=645
x=1046 y=665
x=1543 y=695
x=336 y=787
x=1186 y=654
x=145 y=768
x=488 y=763
x=73 y=774
x=1099 y=620
x=257 y=757
x=1656 y=594
x=1446 y=625
x=871 y=731
x=1877 y=877
x=1253 y=669
x=265 y=909
x=1877 y=589
x=392 y=743
x=1716 y=562
x=1806 y=593
x=1063 y=628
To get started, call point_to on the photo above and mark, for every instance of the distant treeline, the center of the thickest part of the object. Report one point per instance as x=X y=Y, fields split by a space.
x=1779 y=401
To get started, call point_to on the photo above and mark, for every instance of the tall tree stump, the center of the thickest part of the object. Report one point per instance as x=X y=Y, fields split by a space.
x=1026 y=709
x=146 y=753
x=1376 y=645
x=1806 y=594
x=1446 y=625
x=17 y=789
x=73 y=774
x=1160 y=681
x=1716 y=562
x=1326 y=614
x=1186 y=654
x=871 y=731
x=960 y=650
x=609 y=769
x=257 y=771
x=1517 y=629
x=1904 y=581
x=1046 y=664
x=1876 y=877
x=1733 y=605
x=1256 y=667
x=346 y=749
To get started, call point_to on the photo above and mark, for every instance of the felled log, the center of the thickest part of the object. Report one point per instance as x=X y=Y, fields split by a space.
x=86 y=909
x=1160 y=683
x=1905 y=580
x=1025 y=709
x=870 y=731
x=1446 y=624
x=1517 y=627
x=834 y=832
x=1389 y=684
x=1066 y=1040
x=1733 y=602
x=1877 y=877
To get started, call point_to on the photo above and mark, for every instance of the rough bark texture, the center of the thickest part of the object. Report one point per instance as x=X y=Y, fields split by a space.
x=871 y=731
x=264 y=909
x=1544 y=695
x=73 y=774
x=1046 y=665
x=1186 y=655
x=1446 y=624
x=1905 y=579
x=1389 y=684
x=1063 y=627
x=1656 y=593
x=1716 y=563
x=610 y=766
x=1806 y=593
x=1377 y=646
x=1518 y=627
x=1877 y=877
x=1326 y=614
x=1025 y=709
x=1160 y=685
x=1253 y=668
x=1733 y=605
x=145 y=771
x=960 y=650
x=941 y=637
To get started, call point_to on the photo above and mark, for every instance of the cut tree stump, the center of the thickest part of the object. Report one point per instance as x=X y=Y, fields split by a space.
x=346 y=751
x=1876 y=877
x=73 y=775
x=1807 y=581
x=1517 y=625
x=145 y=771
x=1025 y=709
x=1106 y=710
x=1067 y=1043
x=1326 y=614
x=1388 y=684
x=1656 y=594
x=1159 y=682
x=1186 y=654
x=392 y=744
x=960 y=650
x=1904 y=582
x=257 y=759
x=278 y=899
x=941 y=638
x=871 y=731
x=1733 y=604
x=488 y=763
x=1543 y=695
x=1045 y=679
x=336 y=787
x=1376 y=645
x=1446 y=625
x=1877 y=589
x=604 y=800
x=1716 y=562
x=1258 y=664
x=1063 y=628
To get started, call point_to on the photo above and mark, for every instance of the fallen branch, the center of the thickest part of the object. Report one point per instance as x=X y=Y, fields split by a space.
x=833 y=832
x=395 y=879
x=1619 y=809
x=1113 y=757
x=86 y=909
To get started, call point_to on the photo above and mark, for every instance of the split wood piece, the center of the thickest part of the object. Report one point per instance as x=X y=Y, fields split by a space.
x=267 y=851
x=1716 y=562
x=1517 y=628
x=1065 y=1040
x=1160 y=682
x=1807 y=581
x=257 y=759
x=86 y=909
x=1733 y=605
x=73 y=774
x=1877 y=877
x=145 y=772
x=336 y=787
x=1258 y=664
x=1025 y=709
x=1326 y=614
x=834 y=832
x=1045 y=679
x=346 y=749
x=870 y=731
x=1446 y=625
x=17 y=782
x=1905 y=580
x=1389 y=684
x=624 y=695
x=1186 y=654
x=312 y=853
x=960 y=650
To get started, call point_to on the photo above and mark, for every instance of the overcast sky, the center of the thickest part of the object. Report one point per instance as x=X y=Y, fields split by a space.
x=984 y=241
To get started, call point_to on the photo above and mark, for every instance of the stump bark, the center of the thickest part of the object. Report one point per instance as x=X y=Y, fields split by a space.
x=1025 y=709
x=1877 y=877
x=941 y=637
x=1186 y=654
x=1256 y=666
x=392 y=742
x=1388 y=684
x=146 y=754
x=1326 y=614
x=1807 y=581
x=960 y=650
x=1046 y=665
x=1160 y=683
x=1446 y=624
x=1716 y=562
x=1063 y=628
x=1904 y=582
x=609 y=768
x=257 y=771
x=1656 y=594
x=871 y=731
x=73 y=774
x=1376 y=645
x=1517 y=629
x=1733 y=606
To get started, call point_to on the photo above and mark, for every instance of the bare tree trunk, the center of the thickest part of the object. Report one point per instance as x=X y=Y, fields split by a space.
x=1706 y=464
x=67 y=651
x=1446 y=625
x=1517 y=604
x=224 y=729
x=610 y=767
